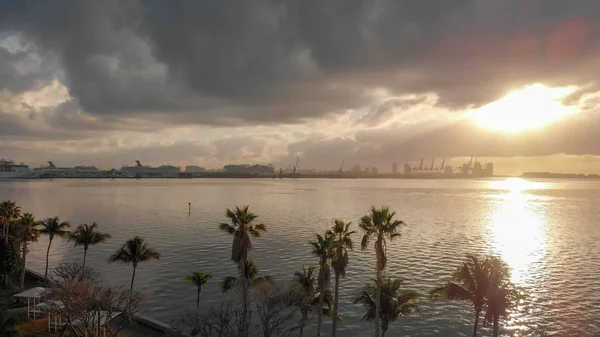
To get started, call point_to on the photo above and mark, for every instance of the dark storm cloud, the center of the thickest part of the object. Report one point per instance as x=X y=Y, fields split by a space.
x=21 y=68
x=264 y=62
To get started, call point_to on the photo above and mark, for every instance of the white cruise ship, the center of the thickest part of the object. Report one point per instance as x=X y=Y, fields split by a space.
x=52 y=171
x=11 y=170
x=143 y=171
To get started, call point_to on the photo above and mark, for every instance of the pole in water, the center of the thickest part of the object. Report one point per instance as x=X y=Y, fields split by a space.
x=189 y=207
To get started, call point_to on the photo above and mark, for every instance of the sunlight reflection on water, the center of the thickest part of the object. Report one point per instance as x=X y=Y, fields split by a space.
x=518 y=231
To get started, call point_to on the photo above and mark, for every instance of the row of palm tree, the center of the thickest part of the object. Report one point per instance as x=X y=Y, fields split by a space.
x=485 y=283
x=26 y=229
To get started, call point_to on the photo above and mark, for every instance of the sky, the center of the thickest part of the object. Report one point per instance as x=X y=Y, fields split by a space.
x=215 y=82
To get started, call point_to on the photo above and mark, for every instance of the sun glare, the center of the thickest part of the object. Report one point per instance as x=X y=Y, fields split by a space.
x=532 y=107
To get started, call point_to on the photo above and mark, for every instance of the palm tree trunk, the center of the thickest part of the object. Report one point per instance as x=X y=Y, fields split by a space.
x=496 y=328
x=321 y=301
x=302 y=322
x=47 y=255
x=244 y=300
x=198 y=304
x=335 y=305
x=377 y=305
x=7 y=231
x=23 y=267
x=477 y=312
x=83 y=267
x=132 y=279
x=383 y=333
x=131 y=292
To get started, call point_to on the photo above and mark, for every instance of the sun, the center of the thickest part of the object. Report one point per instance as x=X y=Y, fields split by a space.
x=531 y=107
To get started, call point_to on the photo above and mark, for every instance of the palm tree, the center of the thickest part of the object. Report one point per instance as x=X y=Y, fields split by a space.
x=134 y=251
x=469 y=283
x=379 y=225
x=311 y=295
x=342 y=241
x=9 y=213
x=199 y=279
x=85 y=236
x=28 y=232
x=242 y=229
x=251 y=278
x=502 y=293
x=52 y=227
x=395 y=302
x=322 y=248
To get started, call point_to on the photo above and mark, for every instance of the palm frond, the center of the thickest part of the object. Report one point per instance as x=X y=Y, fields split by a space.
x=225 y=227
x=228 y=283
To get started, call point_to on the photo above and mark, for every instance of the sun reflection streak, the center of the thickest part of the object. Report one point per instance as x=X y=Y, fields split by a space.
x=517 y=228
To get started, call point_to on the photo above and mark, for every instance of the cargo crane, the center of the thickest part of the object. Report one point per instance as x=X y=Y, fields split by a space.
x=443 y=162
x=421 y=165
x=432 y=161
x=341 y=168
x=296 y=166
x=283 y=170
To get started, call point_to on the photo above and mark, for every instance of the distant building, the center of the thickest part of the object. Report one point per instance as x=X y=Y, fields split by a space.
x=407 y=169
x=395 y=168
x=374 y=170
x=356 y=169
x=259 y=170
x=448 y=170
x=194 y=169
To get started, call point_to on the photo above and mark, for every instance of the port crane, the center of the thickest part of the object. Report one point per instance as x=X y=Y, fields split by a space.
x=341 y=168
x=283 y=170
x=296 y=166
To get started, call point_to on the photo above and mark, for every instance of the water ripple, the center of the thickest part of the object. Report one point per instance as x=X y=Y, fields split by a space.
x=547 y=231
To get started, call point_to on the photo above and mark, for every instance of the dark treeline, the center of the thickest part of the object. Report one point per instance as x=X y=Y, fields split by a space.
x=267 y=307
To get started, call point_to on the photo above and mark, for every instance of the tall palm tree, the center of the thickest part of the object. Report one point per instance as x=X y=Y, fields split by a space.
x=342 y=241
x=395 y=302
x=502 y=293
x=28 y=232
x=85 y=235
x=9 y=213
x=380 y=226
x=251 y=277
x=199 y=279
x=470 y=283
x=311 y=295
x=242 y=228
x=134 y=251
x=52 y=227
x=322 y=248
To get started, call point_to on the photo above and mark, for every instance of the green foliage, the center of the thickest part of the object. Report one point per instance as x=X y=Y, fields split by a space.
x=134 y=251
x=9 y=257
x=485 y=283
x=8 y=324
x=53 y=227
x=27 y=228
x=241 y=227
x=396 y=301
x=199 y=279
x=251 y=276
x=86 y=235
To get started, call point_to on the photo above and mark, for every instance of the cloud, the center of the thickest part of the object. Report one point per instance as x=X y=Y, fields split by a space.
x=264 y=62
x=263 y=81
